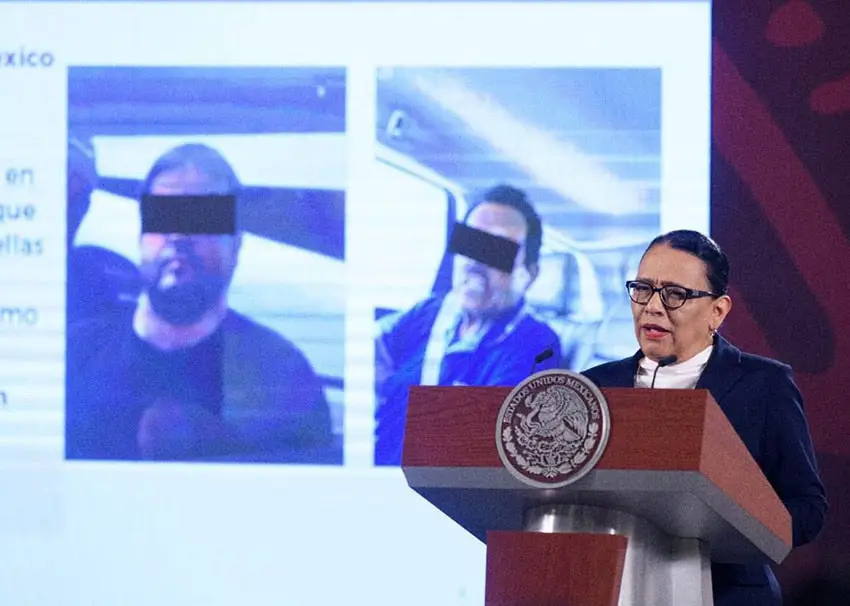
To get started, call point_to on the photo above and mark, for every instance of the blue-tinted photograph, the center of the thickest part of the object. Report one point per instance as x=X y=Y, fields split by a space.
x=194 y=343
x=563 y=162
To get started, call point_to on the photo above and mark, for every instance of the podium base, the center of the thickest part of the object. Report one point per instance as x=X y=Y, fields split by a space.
x=659 y=569
x=553 y=569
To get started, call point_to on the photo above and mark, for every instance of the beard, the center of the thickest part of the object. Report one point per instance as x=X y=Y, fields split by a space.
x=184 y=303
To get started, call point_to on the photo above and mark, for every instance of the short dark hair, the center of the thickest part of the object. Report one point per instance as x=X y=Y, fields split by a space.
x=703 y=248
x=508 y=195
x=202 y=157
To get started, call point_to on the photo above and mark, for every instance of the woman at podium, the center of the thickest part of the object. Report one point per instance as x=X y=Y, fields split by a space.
x=679 y=302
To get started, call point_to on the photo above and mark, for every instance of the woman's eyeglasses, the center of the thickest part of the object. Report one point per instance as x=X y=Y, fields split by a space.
x=672 y=295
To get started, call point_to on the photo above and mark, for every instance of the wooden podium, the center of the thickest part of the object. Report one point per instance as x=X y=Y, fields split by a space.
x=674 y=487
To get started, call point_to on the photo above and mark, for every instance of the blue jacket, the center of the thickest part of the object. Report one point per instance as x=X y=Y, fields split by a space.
x=762 y=402
x=504 y=355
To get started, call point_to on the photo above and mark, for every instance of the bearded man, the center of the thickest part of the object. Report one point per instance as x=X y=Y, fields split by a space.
x=180 y=375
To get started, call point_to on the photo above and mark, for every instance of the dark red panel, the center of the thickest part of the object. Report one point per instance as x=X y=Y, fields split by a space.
x=537 y=569
x=781 y=209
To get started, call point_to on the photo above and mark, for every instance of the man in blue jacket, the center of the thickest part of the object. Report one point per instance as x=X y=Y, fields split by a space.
x=480 y=333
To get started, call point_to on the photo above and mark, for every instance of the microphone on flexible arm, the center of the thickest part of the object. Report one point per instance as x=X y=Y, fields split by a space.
x=542 y=357
x=662 y=362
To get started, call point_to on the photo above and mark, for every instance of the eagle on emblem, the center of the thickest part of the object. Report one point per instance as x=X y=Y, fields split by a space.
x=554 y=414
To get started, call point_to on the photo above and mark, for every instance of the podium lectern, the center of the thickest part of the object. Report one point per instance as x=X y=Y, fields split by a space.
x=674 y=488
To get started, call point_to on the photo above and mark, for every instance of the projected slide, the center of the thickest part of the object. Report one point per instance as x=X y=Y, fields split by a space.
x=234 y=234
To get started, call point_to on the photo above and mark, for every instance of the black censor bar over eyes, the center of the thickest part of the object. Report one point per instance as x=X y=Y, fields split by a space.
x=190 y=215
x=497 y=252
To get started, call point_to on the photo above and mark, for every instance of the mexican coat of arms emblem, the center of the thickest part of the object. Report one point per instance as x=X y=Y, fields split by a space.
x=553 y=428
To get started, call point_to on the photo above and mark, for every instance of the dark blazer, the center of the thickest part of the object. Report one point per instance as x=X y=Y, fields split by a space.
x=761 y=400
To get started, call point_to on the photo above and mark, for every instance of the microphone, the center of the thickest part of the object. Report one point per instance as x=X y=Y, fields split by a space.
x=542 y=357
x=665 y=361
